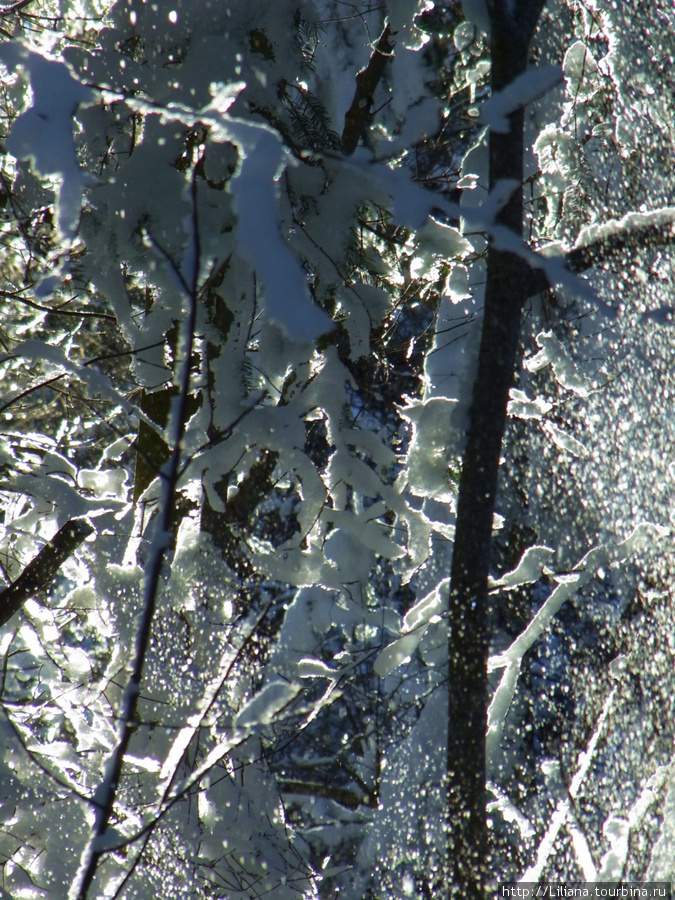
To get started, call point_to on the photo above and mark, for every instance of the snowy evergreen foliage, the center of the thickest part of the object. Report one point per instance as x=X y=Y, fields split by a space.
x=244 y=251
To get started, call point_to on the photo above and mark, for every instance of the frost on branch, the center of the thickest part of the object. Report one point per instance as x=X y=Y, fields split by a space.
x=290 y=737
x=208 y=194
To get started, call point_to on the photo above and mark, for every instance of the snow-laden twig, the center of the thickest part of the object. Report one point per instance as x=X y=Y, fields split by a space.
x=568 y=584
x=564 y=809
x=614 y=240
x=617 y=829
x=104 y=797
x=186 y=735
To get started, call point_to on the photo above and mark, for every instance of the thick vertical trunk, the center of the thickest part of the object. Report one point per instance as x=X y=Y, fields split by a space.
x=506 y=291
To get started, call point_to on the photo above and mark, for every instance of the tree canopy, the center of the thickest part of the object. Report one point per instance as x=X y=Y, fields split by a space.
x=337 y=474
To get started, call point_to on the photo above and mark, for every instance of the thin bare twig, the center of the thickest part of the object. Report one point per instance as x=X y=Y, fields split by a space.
x=36 y=387
x=55 y=310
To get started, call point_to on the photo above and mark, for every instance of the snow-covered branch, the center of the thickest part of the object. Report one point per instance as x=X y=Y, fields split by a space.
x=611 y=242
x=105 y=795
x=39 y=574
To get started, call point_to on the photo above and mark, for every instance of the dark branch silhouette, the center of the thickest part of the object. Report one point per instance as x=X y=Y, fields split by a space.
x=367 y=80
x=345 y=797
x=508 y=277
x=39 y=574
x=617 y=246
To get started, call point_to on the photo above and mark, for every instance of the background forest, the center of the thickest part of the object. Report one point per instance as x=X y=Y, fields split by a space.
x=336 y=447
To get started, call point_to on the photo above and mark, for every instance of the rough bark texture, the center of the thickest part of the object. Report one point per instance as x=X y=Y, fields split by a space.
x=506 y=291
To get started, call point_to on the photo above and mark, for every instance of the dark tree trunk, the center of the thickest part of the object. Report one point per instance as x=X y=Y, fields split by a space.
x=506 y=292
